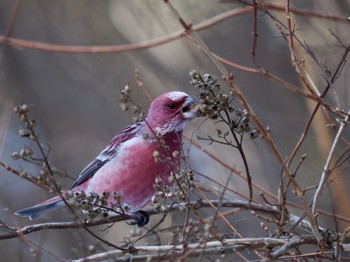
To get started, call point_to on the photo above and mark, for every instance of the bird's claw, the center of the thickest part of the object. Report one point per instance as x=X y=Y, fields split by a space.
x=141 y=218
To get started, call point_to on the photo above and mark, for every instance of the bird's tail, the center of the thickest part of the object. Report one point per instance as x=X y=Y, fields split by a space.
x=41 y=209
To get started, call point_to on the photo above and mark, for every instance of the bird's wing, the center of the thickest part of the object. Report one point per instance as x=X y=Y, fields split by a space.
x=109 y=152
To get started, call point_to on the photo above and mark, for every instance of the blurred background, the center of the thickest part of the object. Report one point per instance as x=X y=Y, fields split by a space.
x=74 y=97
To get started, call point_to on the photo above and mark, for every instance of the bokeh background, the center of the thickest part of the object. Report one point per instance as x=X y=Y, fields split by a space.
x=74 y=96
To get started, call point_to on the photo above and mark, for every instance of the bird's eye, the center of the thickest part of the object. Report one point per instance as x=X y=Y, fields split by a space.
x=171 y=106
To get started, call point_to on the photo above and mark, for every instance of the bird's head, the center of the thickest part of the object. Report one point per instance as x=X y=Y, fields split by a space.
x=170 y=112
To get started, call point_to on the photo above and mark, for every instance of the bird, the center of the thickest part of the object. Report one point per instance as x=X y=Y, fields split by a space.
x=127 y=165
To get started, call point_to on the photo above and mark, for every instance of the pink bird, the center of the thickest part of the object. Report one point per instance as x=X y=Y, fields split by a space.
x=127 y=164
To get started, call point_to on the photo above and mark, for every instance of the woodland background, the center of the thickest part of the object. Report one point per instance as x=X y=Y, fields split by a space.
x=74 y=95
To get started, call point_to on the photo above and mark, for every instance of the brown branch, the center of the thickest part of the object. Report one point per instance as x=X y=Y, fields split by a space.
x=18 y=173
x=157 y=41
x=255 y=33
x=290 y=32
x=11 y=24
x=322 y=96
x=126 y=47
x=244 y=205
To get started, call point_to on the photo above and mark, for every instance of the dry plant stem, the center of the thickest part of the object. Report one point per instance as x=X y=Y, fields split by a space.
x=301 y=70
x=10 y=25
x=255 y=33
x=265 y=134
x=300 y=66
x=259 y=125
x=30 y=243
x=282 y=200
x=127 y=47
x=284 y=248
x=17 y=173
x=39 y=146
x=304 y=75
x=218 y=186
x=47 y=251
x=291 y=33
x=293 y=242
x=5 y=118
x=131 y=245
x=54 y=185
x=326 y=168
x=244 y=205
x=161 y=40
x=301 y=222
x=188 y=210
x=321 y=96
x=215 y=215
x=266 y=74
x=341 y=159
x=343 y=235
x=227 y=166
x=221 y=68
x=212 y=247
x=141 y=85
x=211 y=155
x=224 y=218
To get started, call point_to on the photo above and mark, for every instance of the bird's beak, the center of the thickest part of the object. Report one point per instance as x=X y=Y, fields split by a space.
x=188 y=107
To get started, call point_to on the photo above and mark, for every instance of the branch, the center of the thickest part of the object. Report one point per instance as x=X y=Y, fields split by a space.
x=293 y=242
x=245 y=205
x=157 y=41
x=211 y=247
x=326 y=170
x=127 y=47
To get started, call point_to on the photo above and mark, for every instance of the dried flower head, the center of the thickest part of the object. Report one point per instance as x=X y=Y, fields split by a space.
x=215 y=104
x=127 y=103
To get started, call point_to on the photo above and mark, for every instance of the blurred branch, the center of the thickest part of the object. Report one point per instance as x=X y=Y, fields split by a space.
x=161 y=40
x=10 y=25
x=322 y=95
x=127 y=47
x=5 y=117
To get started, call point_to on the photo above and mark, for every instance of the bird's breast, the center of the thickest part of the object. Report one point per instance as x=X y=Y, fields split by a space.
x=133 y=170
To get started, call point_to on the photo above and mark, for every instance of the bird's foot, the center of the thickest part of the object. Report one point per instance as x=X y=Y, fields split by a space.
x=141 y=218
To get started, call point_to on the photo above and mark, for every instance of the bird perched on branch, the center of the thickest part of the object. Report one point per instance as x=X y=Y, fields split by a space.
x=128 y=165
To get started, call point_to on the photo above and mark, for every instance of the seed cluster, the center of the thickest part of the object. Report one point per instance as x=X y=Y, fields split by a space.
x=215 y=104
x=46 y=171
x=94 y=205
x=28 y=124
x=127 y=103
x=174 y=190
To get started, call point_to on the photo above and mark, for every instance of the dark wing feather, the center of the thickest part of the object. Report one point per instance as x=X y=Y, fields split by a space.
x=89 y=171
x=110 y=151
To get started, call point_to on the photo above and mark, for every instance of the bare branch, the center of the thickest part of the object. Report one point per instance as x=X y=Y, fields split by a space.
x=326 y=169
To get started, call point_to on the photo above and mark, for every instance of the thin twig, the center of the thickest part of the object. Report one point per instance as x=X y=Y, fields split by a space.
x=326 y=171
x=255 y=33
